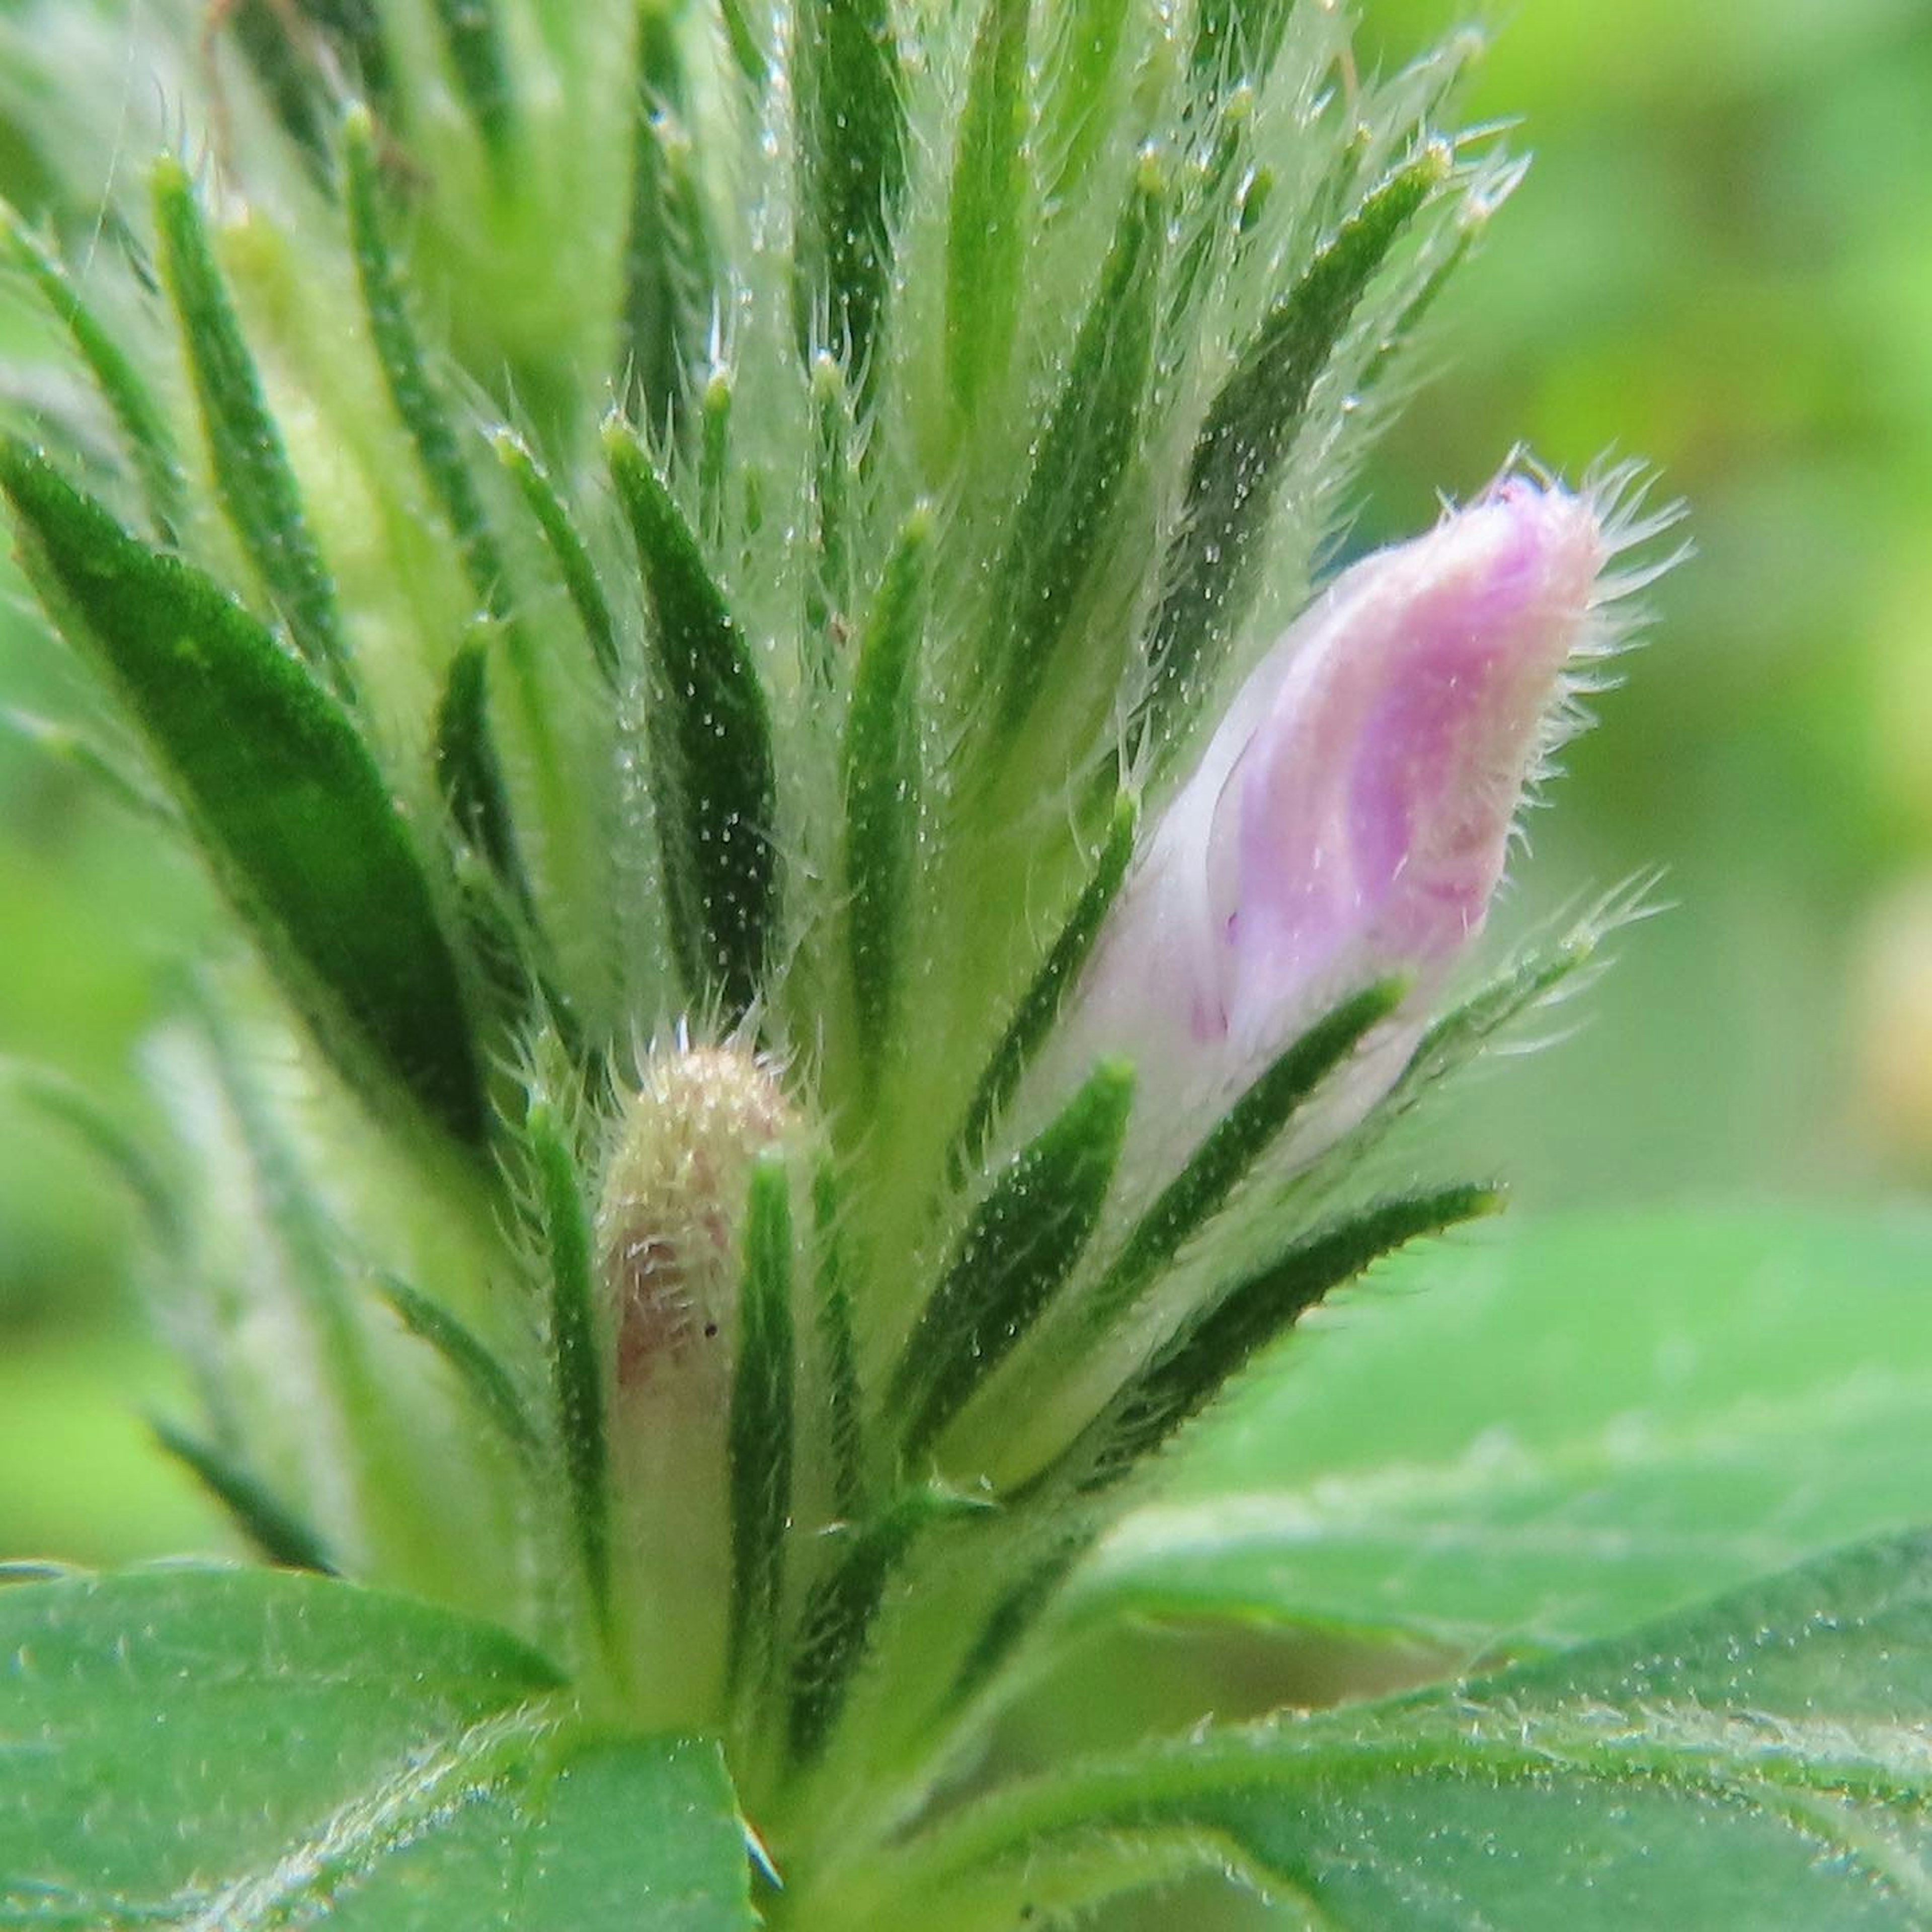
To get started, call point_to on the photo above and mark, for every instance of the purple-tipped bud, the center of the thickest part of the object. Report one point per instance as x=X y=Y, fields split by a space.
x=1350 y=817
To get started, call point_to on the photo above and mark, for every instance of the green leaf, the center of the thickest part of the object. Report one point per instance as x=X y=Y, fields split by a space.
x=418 y=406
x=882 y=785
x=711 y=736
x=245 y=1748
x=1015 y=1253
x=577 y=1362
x=760 y=1443
x=286 y=800
x=850 y=161
x=474 y=37
x=1556 y=1435
x=568 y=550
x=1062 y=520
x=1040 y=1006
x=149 y=441
x=839 y=1614
x=251 y=468
x=281 y=1536
x=986 y=227
x=478 y=1372
x=1209 y=574
x=1231 y=1148
x=1758 y=1761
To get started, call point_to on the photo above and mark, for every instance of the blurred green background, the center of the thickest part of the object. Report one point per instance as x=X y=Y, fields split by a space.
x=1720 y=262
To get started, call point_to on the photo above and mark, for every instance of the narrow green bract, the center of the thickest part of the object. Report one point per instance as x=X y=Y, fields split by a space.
x=1232 y=1148
x=1023 y=1241
x=251 y=468
x=850 y=167
x=883 y=784
x=987 y=225
x=577 y=1353
x=1209 y=575
x=290 y=805
x=150 y=442
x=762 y=1403
x=712 y=734
x=1061 y=522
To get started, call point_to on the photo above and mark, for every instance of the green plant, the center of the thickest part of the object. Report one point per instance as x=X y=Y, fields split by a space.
x=820 y=991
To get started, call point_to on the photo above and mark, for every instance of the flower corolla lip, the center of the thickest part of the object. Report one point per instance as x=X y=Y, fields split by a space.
x=1350 y=817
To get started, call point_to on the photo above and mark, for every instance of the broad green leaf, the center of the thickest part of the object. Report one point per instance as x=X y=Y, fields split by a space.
x=1525 y=1441
x=1760 y=1761
x=245 y=1749
x=288 y=803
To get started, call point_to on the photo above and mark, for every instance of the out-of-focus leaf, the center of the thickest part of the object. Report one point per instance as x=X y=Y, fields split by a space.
x=239 y=1747
x=1553 y=1436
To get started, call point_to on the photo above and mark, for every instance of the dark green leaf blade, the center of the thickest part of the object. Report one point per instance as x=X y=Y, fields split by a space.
x=474 y=37
x=712 y=773
x=258 y=486
x=1016 y=1252
x=238 y=1747
x=1758 y=1761
x=286 y=800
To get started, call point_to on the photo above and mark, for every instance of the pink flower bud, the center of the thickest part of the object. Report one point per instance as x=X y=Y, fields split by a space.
x=1350 y=817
